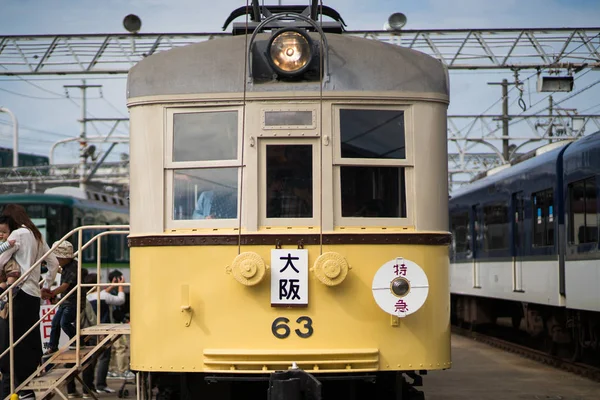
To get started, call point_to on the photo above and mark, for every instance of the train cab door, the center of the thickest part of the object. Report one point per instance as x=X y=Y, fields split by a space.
x=289 y=178
x=518 y=240
x=477 y=238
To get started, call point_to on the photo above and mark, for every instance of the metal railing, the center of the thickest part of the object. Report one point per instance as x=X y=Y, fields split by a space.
x=110 y=230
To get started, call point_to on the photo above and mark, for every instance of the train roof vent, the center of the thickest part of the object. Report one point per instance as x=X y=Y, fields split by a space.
x=67 y=191
x=523 y=157
x=497 y=169
x=489 y=172
x=539 y=151
x=544 y=149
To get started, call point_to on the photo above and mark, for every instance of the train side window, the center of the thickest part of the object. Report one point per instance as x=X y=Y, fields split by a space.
x=289 y=181
x=543 y=218
x=374 y=167
x=495 y=227
x=461 y=232
x=583 y=214
x=89 y=254
x=203 y=166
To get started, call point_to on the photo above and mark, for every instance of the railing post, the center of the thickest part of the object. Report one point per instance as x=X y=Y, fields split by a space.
x=98 y=275
x=11 y=339
x=78 y=322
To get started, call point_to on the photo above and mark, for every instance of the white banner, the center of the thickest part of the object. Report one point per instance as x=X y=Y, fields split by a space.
x=46 y=326
x=289 y=277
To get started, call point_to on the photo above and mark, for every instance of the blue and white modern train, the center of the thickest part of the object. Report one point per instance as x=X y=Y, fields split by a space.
x=526 y=246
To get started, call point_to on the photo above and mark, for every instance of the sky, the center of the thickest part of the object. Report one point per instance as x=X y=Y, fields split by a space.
x=46 y=115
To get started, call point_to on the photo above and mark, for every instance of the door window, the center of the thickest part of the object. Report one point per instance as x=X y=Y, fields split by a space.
x=289 y=183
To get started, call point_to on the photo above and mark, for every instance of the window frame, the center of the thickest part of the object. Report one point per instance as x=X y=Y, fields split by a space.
x=571 y=234
x=263 y=220
x=485 y=242
x=170 y=167
x=170 y=133
x=468 y=252
x=406 y=163
x=543 y=194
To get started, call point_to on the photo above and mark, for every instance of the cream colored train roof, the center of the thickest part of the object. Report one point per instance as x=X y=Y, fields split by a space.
x=356 y=64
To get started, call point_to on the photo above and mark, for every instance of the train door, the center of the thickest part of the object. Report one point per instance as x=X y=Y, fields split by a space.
x=518 y=240
x=289 y=176
x=477 y=238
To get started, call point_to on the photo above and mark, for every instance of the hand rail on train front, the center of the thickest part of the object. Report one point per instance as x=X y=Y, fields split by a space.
x=121 y=229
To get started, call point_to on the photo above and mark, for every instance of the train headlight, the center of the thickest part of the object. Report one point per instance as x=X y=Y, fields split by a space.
x=289 y=52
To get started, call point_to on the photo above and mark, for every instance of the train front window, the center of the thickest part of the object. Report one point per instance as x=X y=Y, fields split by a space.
x=372 y=134
x=373 y=192
x=209 y=193
x=203 y=167
x=289 y=181
x=372 y=163
x=205 y=136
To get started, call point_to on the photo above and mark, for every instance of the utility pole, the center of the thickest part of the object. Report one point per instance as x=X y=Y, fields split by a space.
x=505 y=118
x=550 y=128
x=82 y=137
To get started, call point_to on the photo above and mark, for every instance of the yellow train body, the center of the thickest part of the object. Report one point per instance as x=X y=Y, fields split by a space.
x=230 y=325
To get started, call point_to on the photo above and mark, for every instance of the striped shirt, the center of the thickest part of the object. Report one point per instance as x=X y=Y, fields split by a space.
x=4 y=246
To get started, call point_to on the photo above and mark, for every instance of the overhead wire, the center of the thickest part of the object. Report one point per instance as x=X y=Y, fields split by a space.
x=469 y=125
x=28 y=96
x=34 y=85
x=577 y=93
x=28 y=128
x=590 y=108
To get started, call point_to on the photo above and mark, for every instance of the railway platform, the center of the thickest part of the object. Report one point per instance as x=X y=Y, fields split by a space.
x=483 y=372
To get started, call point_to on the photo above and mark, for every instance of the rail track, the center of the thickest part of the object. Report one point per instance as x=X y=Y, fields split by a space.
x=579 y=369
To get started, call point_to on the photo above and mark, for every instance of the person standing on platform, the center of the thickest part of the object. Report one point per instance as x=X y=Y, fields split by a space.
x=107 y=299
x=66 y=314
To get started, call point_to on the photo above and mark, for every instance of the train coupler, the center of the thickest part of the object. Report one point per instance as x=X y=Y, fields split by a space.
x=294 y=384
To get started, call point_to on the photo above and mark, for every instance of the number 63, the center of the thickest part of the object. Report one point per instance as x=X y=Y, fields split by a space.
x=280 y=324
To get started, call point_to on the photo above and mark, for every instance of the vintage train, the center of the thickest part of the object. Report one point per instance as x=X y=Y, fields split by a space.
x=525 y=248
x=289 y=213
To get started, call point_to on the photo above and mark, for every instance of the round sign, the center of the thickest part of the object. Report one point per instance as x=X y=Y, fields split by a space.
x=400 y=287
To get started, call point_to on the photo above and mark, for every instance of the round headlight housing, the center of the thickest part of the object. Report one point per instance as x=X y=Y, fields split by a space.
x=290 y=52
x=400 y=287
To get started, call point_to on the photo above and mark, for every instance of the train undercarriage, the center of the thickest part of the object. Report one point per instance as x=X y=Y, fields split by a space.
x=570 y=334
x=293 y=384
